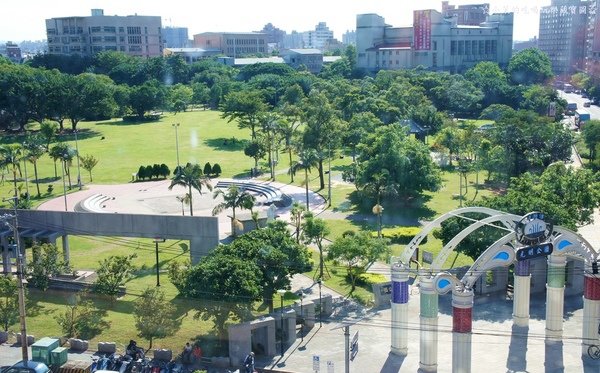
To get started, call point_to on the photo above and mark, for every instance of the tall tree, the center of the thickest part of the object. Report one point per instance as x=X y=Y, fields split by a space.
x=9 y=302
x=226 y=287
x=154 y=315
x=357 y=252
x=190 y=176
x=323 y=129
x=34 y=149
x=314 y=231
x=530 y=66
x=591 y=136
x=113 y=272
x=91 y=97
x=234 y=198
x=10 y=158
x=245 y=107
x=307 y=159
x=276 y=254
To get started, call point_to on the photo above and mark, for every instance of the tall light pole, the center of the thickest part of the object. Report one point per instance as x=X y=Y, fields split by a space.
x=281 y=293
x=156 y=242
x=176 y=125
x=77 y=154
x=63 y=180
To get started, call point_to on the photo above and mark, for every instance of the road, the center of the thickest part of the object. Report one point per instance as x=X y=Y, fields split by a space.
x=573 y=97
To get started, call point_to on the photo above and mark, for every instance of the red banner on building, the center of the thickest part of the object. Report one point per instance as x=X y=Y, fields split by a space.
x=422 y=30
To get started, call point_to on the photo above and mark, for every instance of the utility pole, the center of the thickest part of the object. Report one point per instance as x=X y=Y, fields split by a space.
x=20 y=280
x=329 y=172
x=347 y=348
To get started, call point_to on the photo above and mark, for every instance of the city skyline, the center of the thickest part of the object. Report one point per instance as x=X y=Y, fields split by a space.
x=339 y=15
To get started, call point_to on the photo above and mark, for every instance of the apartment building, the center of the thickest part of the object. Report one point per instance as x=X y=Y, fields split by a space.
x=134 y=35
x=433 y=41
x=563 y=34
x=318 y=37
x=175 y=37
x=233 y=44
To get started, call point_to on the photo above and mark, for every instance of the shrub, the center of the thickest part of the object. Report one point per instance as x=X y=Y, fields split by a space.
x=164 y=170
x=142 y=173
x=369 y=279
x=216 y=169
x=400 y=235
x=156 y=170
x=207 y=169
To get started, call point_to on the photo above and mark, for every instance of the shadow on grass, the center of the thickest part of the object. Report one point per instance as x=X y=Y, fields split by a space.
x=231 y=144
x=82 y=134
x=121 y=122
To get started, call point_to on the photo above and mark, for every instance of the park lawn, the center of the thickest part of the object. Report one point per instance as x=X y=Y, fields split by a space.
x=121 y=148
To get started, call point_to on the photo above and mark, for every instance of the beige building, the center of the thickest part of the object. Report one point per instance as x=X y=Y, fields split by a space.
x=233 y=44
x=310 y=57
x=433 y=41
x=134 y=35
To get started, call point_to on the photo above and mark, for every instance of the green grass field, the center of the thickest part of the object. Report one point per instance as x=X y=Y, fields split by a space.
x=203 y=137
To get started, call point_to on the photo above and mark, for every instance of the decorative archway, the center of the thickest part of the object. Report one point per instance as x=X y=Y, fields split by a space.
x=502 y=253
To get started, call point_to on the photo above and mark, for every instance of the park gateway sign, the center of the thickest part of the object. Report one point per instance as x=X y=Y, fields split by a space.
x=533 y=231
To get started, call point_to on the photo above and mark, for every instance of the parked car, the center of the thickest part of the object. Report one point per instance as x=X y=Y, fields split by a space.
x=587 y=104
x=28 y=366
x=584 y=95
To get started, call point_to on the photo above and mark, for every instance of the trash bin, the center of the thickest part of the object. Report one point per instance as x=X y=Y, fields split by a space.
x=40 y=350
x=59 y=356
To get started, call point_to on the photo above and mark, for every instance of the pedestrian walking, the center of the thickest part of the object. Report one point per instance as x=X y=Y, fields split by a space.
x=249 y=363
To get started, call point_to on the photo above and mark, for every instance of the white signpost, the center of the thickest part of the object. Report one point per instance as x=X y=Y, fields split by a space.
x=316 y=363
x=330 y=366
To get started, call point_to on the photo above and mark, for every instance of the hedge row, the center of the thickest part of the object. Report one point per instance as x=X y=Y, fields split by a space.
x=400 y=235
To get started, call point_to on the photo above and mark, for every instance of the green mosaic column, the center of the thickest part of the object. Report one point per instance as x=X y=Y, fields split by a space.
x=555 y=296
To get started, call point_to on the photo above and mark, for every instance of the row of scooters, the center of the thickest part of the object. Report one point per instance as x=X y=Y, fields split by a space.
x=138 y=364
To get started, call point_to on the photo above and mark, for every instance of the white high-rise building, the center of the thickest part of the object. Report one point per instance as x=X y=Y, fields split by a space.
x=318 y=37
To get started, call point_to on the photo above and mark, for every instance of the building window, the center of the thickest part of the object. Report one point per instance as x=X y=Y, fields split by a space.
x=434 y=45
x=122 y=48
x=121 y=29
x=110 y=39
x=453 y=48
x=481 y=47
x=97 y=48
x=51 y=31
x=494 y=47
x=96 y=39
x=122 y=39
x=135 y=48
x=95 y=29
x=468 y=47
x=74 y=39
x=134 y=39
x=488 y=46
x=461 y=47
x=134 y=30
x=111 y=48
x=110 y=29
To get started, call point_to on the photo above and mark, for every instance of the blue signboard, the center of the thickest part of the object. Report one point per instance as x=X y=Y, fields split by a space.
x=535 y=251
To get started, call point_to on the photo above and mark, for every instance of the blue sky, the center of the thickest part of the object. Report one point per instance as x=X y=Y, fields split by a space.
x=24 y=19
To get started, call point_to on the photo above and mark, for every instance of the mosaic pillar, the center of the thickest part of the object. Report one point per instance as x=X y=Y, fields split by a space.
x=555 y=296
x=429 y=325
x=591 y=310
x=522 y=292
x=399 y=309
x=462 y=321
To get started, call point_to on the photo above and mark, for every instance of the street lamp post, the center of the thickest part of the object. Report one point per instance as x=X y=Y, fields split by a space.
x=156 y=242
x=320 y=304
x=281 y=293
x=63 y=181
x=176 y=125
x=301 y=294
x=77 y=154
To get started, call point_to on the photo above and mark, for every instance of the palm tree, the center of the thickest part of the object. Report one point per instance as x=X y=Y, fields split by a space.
x=297 y=213
x=34 y=150
x=233 y=198
x=184 y=199
x=10 y=157
x=307 y=159
x=191 y=177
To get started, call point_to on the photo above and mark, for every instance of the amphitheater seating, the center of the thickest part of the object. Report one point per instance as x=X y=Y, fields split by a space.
x=92 y=203
x=270 y=193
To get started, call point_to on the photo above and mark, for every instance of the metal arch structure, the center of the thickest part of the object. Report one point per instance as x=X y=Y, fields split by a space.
x=567 y=242
x=414 y=243
x=491 y=258
x=508 y=220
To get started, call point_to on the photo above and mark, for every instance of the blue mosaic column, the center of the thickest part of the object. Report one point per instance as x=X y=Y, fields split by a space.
x=522 y=292
x=399 y=309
